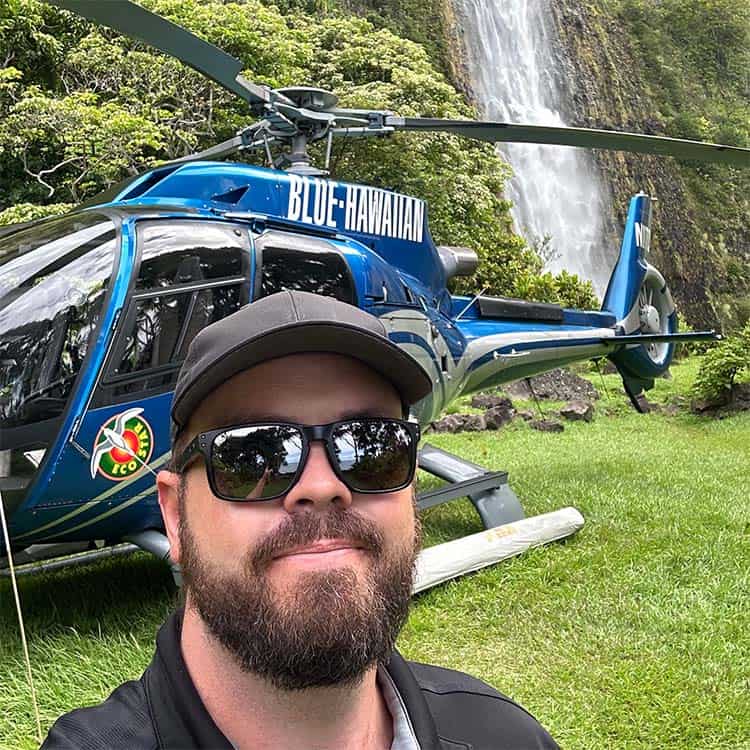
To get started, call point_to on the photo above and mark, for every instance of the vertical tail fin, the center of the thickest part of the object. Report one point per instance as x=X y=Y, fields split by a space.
x=626 y=279
x=638 y=296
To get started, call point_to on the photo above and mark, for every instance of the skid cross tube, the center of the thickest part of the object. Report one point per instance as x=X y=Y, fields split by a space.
x=475 y=486
x=489 y=491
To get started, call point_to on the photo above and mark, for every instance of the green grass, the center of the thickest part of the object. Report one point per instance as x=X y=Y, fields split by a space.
x=632 y=634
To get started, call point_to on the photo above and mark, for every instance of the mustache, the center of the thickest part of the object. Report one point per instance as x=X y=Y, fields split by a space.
x=308 y=527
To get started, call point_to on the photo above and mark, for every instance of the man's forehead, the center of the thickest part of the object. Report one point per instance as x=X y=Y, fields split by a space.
x=310 y=388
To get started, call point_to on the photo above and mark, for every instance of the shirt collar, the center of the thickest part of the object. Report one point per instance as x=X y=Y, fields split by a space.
x=403 y=732
x=181 y=720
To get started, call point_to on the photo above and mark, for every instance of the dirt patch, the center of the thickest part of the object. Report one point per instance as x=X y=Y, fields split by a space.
x=735 y=401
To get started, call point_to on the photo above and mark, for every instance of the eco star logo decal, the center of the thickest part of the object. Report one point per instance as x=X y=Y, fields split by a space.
x=123 y=446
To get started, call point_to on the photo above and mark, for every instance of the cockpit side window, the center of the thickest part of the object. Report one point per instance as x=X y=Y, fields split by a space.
x=191 y=273
x=188 y=251
x=308 y=264
x=160 y=328
x=53 y=280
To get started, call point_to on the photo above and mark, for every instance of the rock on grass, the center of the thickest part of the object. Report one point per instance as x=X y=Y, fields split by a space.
x=555 y=385
x=460 y=423
x=578 y=411
x=546 y=425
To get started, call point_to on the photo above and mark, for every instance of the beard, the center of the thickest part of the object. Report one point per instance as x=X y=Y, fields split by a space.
x=329 y=627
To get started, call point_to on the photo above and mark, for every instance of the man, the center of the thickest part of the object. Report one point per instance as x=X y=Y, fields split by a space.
x=290 y=508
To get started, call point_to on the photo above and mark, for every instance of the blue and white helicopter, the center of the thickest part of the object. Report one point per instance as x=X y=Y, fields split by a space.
x=97 y=308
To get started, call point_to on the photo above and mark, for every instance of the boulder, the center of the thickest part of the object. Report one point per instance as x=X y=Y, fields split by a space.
x=578 y=411
x=703 y=405
x=498 y=416
x=525 y=414
x=490 y=401
x=448 y=423
x=546 y=425
x=730 y=401
x=556 y=385
x=460 y=423
x=474 y=422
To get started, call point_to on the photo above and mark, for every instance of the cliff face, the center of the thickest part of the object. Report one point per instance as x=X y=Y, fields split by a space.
x=606 y=89
x=455 y=65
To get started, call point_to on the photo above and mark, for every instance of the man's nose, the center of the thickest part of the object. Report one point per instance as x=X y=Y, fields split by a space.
x=318 y=487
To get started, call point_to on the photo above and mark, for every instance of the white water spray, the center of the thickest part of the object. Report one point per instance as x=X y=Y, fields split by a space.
x=556 y=190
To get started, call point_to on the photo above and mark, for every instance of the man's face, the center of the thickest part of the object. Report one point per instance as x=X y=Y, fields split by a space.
x=309 y=589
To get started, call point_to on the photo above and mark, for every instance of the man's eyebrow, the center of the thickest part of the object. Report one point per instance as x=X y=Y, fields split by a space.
x=372 y=411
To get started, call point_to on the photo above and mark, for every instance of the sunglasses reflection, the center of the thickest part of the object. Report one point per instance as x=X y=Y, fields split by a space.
x=374 y=455
x=258 y=491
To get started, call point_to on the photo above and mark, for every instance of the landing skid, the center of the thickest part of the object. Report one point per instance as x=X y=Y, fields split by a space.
x=507 y=531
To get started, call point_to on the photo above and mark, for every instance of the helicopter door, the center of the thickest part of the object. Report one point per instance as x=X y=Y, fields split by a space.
x=190 y=273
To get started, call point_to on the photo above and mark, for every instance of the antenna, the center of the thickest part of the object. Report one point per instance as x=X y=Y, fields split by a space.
x=24 y=644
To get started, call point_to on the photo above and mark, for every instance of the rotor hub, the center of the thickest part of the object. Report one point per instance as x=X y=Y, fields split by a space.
x=310 y=98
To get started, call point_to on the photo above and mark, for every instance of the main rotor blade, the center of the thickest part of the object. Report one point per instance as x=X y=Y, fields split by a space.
x=613 y=140
x=134 y=21
x=245 y=139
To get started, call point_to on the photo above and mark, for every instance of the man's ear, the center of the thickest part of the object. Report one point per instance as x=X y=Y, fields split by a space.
x=168 y=487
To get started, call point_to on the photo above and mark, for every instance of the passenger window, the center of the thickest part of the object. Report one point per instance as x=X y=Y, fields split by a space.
x=160 y=328
x=303 y=264
x=181 y=252
x=163 y=317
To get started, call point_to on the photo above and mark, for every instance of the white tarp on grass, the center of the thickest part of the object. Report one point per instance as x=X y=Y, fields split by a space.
x=460 y=556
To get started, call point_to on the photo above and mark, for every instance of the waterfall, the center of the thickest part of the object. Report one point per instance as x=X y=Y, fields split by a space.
x=515 y=71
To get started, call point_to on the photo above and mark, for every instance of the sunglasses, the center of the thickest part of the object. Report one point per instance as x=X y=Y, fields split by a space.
x=250 y=462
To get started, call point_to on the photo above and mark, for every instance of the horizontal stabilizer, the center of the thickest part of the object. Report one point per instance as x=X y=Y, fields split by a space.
x=654 y=338
x=456 y=558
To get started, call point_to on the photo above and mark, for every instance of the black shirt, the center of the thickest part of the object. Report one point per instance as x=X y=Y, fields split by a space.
x=448 y=710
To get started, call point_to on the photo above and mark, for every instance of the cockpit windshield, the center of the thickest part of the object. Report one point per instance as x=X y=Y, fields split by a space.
x=53 y=279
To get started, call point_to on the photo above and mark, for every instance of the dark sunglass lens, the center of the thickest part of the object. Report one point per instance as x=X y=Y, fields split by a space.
x=256 y=462
x=374 y=455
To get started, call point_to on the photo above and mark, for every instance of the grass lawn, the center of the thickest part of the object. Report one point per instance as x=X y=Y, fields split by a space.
x=632 y=634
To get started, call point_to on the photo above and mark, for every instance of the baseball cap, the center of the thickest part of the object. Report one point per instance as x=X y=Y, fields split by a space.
x=290 y=322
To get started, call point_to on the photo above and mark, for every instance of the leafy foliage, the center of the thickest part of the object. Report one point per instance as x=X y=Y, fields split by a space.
x=31 y=212
x=723 y=365
x=81 y=108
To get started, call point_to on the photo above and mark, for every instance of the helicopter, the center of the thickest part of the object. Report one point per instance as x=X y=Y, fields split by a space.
x=98 y=307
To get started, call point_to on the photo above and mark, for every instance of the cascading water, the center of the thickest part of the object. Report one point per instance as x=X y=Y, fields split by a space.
x=556 y=191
